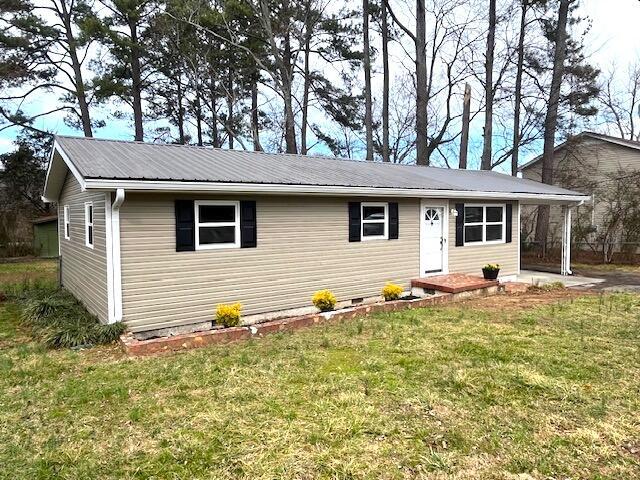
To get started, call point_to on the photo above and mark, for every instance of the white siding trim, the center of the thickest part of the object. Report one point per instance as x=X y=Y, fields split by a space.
x=109 y=252
x=385 y=235
x=235 y=224
x=518 y=237
x=88 y=225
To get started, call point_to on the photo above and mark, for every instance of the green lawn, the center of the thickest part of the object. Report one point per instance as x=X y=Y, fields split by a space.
x=18 y=272
x=469 y=391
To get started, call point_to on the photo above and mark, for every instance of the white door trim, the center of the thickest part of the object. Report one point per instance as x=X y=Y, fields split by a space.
x=445 y=235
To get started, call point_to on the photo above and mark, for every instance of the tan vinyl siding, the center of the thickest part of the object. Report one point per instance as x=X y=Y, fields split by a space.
x=302 y=247
x=587 y=167
x=471 y=258
x=84 y=270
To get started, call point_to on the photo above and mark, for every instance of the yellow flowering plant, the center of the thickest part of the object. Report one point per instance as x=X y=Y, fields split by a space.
x=228 y=314
x=491 y=266
x=324 y=300
x=391 y=291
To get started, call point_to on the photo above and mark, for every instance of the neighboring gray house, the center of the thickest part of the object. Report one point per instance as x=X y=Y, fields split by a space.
x=593 y=164
x=158 y=235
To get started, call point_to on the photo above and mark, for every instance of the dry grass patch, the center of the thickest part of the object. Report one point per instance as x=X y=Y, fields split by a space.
x=450 y=392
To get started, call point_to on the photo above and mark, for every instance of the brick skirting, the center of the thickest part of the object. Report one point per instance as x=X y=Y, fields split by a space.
x=225 y=335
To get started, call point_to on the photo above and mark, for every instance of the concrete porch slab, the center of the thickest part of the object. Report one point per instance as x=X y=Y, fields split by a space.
x=533 y=277
x=453 y=283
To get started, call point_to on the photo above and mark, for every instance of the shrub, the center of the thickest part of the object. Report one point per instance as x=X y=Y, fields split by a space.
x=58 y=320
x=324 y=300
x=391 y=291
x=228 y=315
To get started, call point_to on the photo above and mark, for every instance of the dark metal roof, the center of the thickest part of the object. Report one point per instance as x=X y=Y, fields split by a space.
x=123 y=160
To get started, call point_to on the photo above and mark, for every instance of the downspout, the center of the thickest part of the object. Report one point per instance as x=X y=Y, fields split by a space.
x=115 y=254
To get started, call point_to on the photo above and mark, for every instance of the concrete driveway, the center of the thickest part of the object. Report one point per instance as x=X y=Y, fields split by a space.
x=594 y=280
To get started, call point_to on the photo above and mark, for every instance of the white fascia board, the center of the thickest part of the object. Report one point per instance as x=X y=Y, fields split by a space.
x=70 y=166
x=257 y=188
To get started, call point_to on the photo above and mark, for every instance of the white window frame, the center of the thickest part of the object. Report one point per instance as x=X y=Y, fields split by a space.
x=363 y=221
x=89 y=225
x=66 y=223
x=213 y=246
x=484 y=224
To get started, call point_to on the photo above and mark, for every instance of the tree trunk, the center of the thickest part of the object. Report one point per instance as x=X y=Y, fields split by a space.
x=488 y=88
x=518 y=92
x=180 y=111
x=230 y=107
x=307 y=80
x=368 y=115
x=466 y=117
x=78 y=81
x=136 y=82
x=215 y=134
x=421 y=85
x=551 y=119
x=385 y=84
x=255 y=126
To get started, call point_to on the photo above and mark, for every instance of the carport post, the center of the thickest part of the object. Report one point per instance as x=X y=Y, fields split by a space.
x=565 y=264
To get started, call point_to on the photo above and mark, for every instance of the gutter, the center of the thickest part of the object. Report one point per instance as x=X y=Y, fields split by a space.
x=115 y=266
x=283 y=189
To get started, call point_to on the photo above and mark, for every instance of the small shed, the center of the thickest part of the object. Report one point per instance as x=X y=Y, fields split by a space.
x=45 y=236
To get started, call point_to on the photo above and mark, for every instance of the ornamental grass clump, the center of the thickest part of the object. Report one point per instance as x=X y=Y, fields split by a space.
x=324 y=300
x=59 y=320
x=228 y=314
x=391 y=291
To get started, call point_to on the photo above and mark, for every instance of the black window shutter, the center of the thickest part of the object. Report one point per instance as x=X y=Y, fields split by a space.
x=393 y=221
x=185 y=226
x=248 y=228
x=509 y=222
x=354 y=221
x=460 y=225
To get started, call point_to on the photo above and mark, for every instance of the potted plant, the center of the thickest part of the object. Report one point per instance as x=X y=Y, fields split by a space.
x=490 y=271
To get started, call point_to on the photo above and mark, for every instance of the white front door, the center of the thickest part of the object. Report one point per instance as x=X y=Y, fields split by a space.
x=432 y=239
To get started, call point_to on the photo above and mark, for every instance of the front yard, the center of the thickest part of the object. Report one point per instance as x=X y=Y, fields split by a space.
x=489 y=389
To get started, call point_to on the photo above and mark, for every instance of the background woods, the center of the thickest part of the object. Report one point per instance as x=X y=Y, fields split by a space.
x=381 y=80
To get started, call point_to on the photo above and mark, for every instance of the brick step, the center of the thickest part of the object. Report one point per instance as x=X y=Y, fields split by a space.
x=453 y=283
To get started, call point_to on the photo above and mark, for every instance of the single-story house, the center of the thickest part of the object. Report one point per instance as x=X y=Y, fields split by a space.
x=158 y=235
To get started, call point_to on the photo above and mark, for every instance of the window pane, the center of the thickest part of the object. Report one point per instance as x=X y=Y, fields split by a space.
x=90 y=234
x=473 y=234
x=473 y=214
x=372 y=229
x=209 y=235
x=494 y=232
x=373 y=213
x=217 y=213
x=494 y=214
x=90 y=214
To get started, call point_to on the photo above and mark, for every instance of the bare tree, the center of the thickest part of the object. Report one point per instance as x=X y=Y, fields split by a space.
x=550 y=123
x=385 y=83
x=620 y=101
x=489 y=88
x=466 y=117
x=368 y=116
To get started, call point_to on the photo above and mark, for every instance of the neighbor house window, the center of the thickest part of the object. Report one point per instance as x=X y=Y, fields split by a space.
x=67 y=223
x=88 y=224
x=484 y=224
x=375 y=221
x=217 y=224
